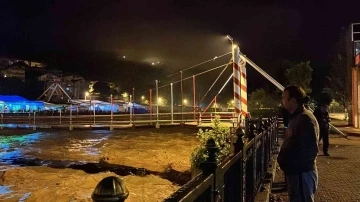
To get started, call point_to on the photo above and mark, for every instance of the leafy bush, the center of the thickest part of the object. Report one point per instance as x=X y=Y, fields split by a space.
x=220 y=134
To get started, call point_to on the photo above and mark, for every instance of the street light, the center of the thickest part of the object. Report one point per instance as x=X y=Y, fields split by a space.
x=125 y=96
x=86 y=94
x=230 y=38
x=157 y=104
x=160 y=101
x=142 y=99
x=185 y=101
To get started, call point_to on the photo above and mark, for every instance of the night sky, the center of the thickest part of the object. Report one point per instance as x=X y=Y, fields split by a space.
x=177 y=33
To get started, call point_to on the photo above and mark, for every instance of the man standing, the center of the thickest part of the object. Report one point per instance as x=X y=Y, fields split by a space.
x=322 y=115
x=297 y=157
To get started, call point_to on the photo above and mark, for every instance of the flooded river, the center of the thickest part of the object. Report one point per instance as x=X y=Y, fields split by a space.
x=36 y=158
x=55 y=145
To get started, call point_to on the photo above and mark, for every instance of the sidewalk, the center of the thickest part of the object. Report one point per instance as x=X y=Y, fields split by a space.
x=344 y=126
x=339 y=174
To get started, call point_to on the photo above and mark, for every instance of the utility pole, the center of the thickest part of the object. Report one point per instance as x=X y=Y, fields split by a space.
x=157 y=104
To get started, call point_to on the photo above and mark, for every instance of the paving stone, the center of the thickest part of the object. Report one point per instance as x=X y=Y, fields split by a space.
x=339 y=174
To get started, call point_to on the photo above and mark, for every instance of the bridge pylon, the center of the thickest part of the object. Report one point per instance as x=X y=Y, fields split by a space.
x=240 y=86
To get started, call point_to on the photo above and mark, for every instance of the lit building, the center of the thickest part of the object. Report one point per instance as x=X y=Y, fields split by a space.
x=16 y=70
x=20 y=69
x=17 y=104
x=4 y=62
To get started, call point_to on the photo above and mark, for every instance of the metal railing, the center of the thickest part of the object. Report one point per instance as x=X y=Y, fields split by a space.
x=239 y=176
x=106 y=119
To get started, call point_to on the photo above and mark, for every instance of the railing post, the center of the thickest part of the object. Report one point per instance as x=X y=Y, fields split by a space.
x=251 y=170
x=70 y=126
x=259 y=126
x=247 y=127
x=239 y=144
x=262 y=158
x=209 y=166
x=2 y=122
x=275 y=134
x=269 y=140
x=271 y=136
x=199 y=118
x=111 y=112
x=252 y=128
x=34 y=126
x=276 y=131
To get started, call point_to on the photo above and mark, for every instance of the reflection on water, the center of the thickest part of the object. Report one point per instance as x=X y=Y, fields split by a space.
x=87 y=146
x=17 y=146
x=87 y=142
x=11 y=145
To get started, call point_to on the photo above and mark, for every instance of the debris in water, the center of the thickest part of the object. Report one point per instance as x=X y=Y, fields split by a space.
x=23 y=198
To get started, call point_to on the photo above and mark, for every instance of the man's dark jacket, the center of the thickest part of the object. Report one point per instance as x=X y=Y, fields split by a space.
x=322 y=116
x=300 y=147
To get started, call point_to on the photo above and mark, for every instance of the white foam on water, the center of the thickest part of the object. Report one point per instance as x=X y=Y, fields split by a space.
x=5 y=190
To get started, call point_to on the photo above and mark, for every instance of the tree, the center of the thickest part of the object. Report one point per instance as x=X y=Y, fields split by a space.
x=339 y=87
x=300 y=75
x=102 y=89
x=335 y=107
x=257 y=98
x=260 y=98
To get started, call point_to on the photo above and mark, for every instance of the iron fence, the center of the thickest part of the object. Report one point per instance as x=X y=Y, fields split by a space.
x=239 y=176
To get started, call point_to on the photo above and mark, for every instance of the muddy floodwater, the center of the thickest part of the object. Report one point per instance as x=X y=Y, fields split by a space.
x=67 y=165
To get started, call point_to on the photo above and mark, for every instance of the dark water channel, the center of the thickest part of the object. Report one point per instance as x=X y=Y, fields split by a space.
x=14 y=146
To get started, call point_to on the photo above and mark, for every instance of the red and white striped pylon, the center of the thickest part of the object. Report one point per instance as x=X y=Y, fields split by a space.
x=240 y=85
x=244 y=103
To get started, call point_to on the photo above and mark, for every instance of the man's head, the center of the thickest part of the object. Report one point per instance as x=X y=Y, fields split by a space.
x=292 y=97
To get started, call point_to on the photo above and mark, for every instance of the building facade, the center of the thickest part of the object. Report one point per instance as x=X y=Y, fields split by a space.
x=353 y=58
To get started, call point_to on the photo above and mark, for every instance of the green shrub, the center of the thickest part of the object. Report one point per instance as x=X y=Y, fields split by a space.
x=220 y=134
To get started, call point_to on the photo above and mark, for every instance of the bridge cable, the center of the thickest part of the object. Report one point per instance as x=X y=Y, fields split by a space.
x=209 y=70
x=227 y=81
x=216 y=57
x=215 y=81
